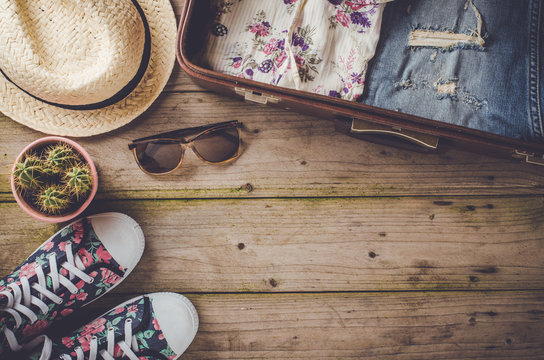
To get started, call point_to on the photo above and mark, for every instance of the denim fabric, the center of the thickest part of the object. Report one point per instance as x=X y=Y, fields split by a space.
x=496 y=87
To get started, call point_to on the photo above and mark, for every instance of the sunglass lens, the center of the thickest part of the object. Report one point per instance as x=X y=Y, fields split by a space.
x=159 y=157
x=218 y=145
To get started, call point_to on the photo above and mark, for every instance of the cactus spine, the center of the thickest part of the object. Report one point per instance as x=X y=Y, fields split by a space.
x=54 y=179
x=60 y=156
x=79 y=180
x=53 y=200
x=30 y=174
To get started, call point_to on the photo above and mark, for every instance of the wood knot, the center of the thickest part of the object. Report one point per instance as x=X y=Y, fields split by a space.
x=247 y=187
x=488 y=270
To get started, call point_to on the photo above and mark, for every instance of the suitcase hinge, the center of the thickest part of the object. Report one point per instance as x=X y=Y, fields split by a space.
x=256 y=97
x=530 y=158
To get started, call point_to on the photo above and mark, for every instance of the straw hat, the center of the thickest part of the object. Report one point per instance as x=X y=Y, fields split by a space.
x=85 y=67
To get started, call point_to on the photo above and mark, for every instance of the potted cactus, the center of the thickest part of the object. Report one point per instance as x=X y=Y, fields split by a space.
x=54 y=179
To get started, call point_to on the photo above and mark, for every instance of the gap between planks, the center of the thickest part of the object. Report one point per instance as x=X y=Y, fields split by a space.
x=286 y=154
x=277 y=245
x=364 y=326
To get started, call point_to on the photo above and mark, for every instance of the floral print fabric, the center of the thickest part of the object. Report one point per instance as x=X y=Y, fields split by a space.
x=319 y=46
x=98 y=263
x=151 y=342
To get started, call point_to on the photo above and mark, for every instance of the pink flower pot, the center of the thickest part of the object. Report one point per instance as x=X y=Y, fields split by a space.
x=46 y=217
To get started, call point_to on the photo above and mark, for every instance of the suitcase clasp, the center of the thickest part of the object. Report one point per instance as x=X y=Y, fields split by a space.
x=530 y=158
x=256 y=97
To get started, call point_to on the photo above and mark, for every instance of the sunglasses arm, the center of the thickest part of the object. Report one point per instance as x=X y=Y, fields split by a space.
x=180 y=132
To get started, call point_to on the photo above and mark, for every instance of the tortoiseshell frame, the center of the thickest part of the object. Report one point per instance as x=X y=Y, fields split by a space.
x=176 y=136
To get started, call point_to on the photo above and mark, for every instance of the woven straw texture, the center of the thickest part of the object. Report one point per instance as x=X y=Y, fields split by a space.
x=81 y=52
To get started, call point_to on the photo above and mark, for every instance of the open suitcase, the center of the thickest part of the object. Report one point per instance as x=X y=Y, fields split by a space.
x=448 y=73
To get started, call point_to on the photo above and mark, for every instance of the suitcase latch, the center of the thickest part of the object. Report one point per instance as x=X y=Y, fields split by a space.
x=256 y=97
x=530 y=158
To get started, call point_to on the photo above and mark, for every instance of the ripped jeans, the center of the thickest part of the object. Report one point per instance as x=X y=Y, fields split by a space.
x=473 y=63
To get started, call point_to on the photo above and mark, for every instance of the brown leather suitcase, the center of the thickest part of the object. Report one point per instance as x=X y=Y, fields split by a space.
x=352 y=118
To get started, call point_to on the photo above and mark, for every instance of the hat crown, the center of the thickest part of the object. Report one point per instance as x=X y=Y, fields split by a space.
x=71 y=52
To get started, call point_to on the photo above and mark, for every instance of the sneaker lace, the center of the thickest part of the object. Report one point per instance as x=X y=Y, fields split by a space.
x=128 y=346
x=21 y=298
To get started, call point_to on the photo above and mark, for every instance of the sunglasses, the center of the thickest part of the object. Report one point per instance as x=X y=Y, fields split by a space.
x=163 y=153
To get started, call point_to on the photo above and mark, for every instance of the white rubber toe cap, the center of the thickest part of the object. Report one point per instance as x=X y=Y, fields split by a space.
x=177 y=318
x=121 y=236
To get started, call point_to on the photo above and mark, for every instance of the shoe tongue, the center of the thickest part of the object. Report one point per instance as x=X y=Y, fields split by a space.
x=55 y=354
x=3 y=300
x=75 y=234
x=138 y=311
x=39 y=348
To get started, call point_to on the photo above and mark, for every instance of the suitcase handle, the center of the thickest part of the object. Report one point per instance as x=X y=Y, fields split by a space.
x=361 y=127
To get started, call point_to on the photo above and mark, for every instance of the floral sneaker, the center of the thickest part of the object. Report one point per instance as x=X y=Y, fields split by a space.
x=158 y=326
x=76 y=266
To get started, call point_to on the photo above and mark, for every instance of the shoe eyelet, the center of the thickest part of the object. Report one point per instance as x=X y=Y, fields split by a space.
x=129 y=320
x=91 y=280
x=93 y=338
x=59 y=302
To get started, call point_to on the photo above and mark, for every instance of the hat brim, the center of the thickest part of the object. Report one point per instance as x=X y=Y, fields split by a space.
x=54 y=120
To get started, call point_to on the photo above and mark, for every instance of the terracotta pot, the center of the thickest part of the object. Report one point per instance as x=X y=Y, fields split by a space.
x=46 y=217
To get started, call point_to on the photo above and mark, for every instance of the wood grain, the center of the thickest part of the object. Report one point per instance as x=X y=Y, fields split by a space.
x=400 y=326
x=316 y=245
x=286 y=154
x=331 y=244
x=384 y=326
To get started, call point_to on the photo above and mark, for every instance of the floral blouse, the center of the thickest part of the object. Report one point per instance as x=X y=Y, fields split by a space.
x=320 y=46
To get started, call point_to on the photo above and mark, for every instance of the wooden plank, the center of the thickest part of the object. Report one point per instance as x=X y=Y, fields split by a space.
x=331 y=244
x=181 y=82
x=399 y=326
x=178 y=7
x=285 y=155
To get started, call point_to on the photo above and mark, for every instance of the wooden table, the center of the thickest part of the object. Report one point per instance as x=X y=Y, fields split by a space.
x=316 y=245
